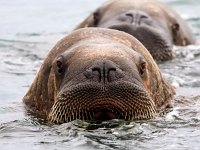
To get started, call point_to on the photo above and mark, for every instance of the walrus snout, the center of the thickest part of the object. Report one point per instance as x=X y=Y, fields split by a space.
x=92 y=101
x=104 y=71
x=135 y=17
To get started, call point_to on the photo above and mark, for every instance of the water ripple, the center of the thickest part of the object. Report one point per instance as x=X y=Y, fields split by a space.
x=172 y=128
x=26 y=39
x=183 y=70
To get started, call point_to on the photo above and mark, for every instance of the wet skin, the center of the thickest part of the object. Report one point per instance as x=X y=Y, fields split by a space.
x=152 y=22
x=98 y=74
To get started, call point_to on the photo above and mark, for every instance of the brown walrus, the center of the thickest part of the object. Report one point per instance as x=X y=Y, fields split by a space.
x=98 y=74
x=152 y=22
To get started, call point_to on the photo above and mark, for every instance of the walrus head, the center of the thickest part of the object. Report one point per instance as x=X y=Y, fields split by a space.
x=99 y=80
x=152 y=22
x=98 y=74
x=151 y=32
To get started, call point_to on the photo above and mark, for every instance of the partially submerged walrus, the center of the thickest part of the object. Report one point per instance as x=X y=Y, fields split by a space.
x=152 y=22
x=98 y=74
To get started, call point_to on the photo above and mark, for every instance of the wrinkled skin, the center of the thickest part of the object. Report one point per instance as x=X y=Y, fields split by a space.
x=153 y=23
x=98 y=74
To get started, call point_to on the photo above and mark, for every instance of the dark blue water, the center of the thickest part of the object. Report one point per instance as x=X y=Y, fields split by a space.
x=29 y=28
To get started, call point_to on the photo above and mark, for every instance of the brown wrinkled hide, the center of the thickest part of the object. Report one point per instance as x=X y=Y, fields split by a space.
x=86 y=46
x=159 y=28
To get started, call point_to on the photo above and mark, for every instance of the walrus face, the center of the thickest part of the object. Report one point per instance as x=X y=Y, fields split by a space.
x=101 y=82
x=151 y=30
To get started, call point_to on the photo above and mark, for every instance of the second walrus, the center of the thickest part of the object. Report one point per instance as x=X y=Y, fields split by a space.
x=153 y=23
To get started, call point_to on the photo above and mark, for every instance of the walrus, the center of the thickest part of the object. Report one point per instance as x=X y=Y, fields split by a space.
x=153 y=23
x=98 y=74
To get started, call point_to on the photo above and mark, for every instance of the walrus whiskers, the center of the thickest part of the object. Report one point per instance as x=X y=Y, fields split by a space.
x=125 y=84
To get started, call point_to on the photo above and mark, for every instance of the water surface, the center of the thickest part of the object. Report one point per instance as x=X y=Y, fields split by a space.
x=28 y=31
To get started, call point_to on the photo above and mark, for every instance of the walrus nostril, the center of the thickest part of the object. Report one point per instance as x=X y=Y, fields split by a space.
x=137 y=17
x=109 y=76
x=130 y=16
x=102 y=72
x=98 y=71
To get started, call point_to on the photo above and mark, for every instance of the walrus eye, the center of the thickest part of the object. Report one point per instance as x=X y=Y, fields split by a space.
x=142 y=68
x=175 y=30
x=175 y=27
x=59 y=66
x=96 y=17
